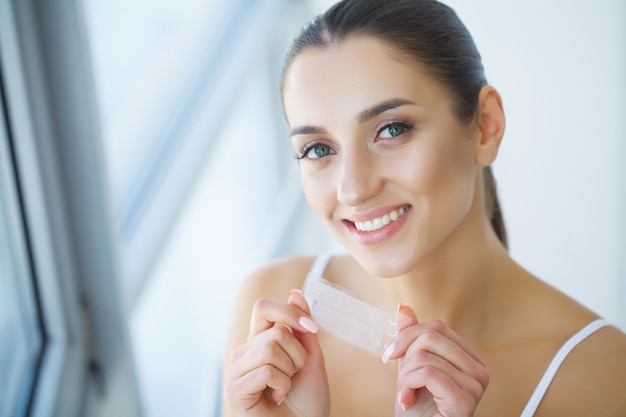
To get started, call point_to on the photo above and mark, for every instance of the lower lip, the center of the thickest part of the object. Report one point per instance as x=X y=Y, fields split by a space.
x=379 y=235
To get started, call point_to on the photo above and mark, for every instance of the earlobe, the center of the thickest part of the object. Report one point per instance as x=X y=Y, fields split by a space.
x=491 y=125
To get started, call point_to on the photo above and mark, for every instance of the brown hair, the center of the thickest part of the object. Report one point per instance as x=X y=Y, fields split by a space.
x=433 y=35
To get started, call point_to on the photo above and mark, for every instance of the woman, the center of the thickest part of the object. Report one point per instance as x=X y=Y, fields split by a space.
x=395 y=129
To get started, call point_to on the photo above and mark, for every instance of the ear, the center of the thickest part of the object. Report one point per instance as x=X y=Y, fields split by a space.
x=491 y=124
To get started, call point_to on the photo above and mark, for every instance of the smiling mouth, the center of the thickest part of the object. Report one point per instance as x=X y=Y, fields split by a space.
x=380 y=222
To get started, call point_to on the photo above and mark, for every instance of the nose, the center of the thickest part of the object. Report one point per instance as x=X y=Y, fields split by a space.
x=358 y=179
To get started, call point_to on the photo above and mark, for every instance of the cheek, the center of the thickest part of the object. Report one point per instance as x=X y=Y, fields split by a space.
x=319 y=191
x=440 y=176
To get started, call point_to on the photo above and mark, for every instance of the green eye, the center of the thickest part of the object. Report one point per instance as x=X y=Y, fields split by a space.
x=393 y=130
x=317 y=151
x=396 y=130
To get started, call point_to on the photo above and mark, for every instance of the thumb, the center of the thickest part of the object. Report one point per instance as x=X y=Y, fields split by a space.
x=296 y=298
x=308 y=340
x=405 y=317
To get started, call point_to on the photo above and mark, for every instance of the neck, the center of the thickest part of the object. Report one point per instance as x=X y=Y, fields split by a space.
x=458 y=283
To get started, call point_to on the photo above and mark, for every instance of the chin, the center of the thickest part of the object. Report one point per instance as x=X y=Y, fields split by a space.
x=378 y=260
x=384 y=265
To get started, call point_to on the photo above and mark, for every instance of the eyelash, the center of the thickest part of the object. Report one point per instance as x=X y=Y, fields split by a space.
x=387 y=124
x=402 y=124
x=308 y=148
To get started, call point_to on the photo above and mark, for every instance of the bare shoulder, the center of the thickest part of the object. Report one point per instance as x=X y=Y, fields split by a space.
x=591 y=380
x=273 y=280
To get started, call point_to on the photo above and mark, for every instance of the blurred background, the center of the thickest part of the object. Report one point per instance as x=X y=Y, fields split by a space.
x=146 y=169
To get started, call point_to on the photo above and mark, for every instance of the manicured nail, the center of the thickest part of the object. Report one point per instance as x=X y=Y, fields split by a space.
x=308 y=324
x=296 y=292
x=388 y=352
x=403 y=318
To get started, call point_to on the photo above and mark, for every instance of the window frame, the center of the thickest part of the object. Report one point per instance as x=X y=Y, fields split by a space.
x=20 y=272
x=87 y=366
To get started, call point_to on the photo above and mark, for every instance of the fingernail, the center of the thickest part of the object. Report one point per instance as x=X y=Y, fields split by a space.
x=403 y=318
x=308 y=324
x=296 y=292
x=281 y=400
x=388 y=352
x=400 y=401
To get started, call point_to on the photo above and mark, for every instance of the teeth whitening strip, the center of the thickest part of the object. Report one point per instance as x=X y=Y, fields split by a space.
x=346 y=316
x=357 y=322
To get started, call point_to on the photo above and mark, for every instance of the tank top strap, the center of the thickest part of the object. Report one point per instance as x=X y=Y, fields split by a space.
x=317 y=269
x=320 y=264
x=554 y=366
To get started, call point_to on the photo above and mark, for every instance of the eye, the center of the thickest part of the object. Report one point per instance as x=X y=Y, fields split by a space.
x=393 y=130
x=315 y=151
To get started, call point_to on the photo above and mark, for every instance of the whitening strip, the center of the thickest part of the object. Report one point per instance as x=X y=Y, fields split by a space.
x=346 y=316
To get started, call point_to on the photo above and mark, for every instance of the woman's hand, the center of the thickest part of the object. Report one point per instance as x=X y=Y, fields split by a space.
x=280 y=370
x=438 y=374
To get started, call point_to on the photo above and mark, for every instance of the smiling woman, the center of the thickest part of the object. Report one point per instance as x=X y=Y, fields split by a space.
x=432 y=153
x=395 y=128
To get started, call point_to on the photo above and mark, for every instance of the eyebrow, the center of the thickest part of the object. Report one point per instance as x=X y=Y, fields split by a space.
x=363 y=116
x=307 y=130
x=380 y=108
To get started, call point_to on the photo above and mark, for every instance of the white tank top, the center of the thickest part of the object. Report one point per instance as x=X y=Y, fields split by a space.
x=319 y=266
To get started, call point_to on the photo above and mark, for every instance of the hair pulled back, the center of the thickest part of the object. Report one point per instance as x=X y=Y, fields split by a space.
x=429 y=32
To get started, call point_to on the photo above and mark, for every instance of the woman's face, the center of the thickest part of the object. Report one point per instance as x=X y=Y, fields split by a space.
x=384 y=162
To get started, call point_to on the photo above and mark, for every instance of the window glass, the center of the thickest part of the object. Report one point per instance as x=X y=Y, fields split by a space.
x=146 y=71
x=165 y=72
x=20 y=332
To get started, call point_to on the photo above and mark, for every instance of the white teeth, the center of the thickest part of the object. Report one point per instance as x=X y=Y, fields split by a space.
x=377 y=223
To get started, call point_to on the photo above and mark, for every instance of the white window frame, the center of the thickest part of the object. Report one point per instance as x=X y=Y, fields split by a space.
x=87 y=367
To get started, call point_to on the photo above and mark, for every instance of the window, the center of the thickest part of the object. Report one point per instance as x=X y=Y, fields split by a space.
x=86 y=366
x=21 y=332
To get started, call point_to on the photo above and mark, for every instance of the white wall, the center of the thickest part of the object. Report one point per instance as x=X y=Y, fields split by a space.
x=560 y=67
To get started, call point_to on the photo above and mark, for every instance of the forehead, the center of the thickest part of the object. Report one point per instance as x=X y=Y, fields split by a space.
x=350 y=75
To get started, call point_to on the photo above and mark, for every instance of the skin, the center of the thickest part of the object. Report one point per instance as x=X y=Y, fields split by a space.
x=476 y=330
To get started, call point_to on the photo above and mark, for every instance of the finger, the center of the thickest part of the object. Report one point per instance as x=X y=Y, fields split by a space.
x=245 y=392
x=424 y=359
x=450 y=398
x=308 y=340
x=445 y=330
x=268 y=312
x=440 y=327
x=438 y=338
x=436 y=342
x=405 y=317
x=296 y=298
x=276 y=346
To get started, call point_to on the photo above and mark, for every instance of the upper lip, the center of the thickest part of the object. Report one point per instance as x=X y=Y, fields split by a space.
x=375 y=213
